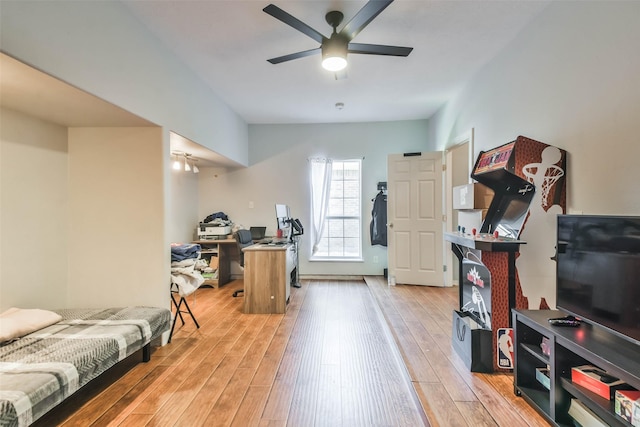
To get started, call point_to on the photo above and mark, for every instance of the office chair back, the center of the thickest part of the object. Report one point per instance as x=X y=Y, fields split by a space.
x=243 y=237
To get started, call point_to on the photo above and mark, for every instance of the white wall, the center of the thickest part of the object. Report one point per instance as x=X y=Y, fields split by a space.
x=571 y=80
x=183 y=207
x=99 y=47
x=279 y=173
x=118 y=254
x=83 y=215
x=34 y=198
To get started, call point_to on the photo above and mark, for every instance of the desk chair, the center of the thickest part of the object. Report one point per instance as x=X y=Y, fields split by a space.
x=243 y=238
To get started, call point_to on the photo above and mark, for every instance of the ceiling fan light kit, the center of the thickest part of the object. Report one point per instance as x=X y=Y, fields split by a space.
x=334 y=53
x=335 y=48
x=189 y=162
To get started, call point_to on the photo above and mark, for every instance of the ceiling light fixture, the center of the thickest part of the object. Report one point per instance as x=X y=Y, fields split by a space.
x=188 y=163
x=339 y=105
x=187 y=168
x=334 y=50
x=334 y=58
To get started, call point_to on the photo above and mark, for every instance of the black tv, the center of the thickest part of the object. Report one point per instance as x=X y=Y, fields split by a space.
x=598 y=271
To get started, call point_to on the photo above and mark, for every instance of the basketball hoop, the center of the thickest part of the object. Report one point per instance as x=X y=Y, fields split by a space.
x=552 y=174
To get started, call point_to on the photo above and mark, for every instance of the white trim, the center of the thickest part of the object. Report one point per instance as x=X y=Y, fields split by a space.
x=449 y=258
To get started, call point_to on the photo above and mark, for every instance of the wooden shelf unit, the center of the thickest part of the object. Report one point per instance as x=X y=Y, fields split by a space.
x=569 y=347
x=222 y=250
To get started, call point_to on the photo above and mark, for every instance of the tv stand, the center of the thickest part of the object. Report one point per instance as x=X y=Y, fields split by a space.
x=583 y=345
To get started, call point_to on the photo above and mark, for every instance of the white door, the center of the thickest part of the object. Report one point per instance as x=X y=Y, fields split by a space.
x=414 y=215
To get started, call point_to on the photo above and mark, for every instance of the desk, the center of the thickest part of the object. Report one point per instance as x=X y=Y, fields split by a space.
x=220 y=249
x=268 y=270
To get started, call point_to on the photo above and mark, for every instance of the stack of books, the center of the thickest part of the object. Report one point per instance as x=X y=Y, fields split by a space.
x=583 y=416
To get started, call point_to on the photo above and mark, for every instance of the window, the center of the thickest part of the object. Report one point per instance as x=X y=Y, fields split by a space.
x=338 y=231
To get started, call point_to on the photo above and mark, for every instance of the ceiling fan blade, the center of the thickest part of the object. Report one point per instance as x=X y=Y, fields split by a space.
x=294 y=55
x=364 y=16
x=294 y=22
x=378 y=49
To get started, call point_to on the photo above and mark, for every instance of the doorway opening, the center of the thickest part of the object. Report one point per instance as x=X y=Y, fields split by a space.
x=459 y=163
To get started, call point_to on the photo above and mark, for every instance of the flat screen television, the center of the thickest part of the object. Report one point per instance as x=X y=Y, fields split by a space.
x=598 y=271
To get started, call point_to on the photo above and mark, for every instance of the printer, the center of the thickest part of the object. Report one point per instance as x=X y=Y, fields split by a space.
x=212 y=230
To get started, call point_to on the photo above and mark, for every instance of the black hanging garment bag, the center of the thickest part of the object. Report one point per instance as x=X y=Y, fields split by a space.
x=378 y=227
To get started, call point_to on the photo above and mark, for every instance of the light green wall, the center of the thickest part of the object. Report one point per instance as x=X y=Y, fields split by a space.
x=279 y=173
x=571 y=80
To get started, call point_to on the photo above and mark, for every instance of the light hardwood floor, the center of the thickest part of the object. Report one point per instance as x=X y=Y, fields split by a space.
x=346 y=353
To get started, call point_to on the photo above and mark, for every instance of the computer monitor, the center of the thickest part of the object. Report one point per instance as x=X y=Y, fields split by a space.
x=282 y=216
x=257 y=233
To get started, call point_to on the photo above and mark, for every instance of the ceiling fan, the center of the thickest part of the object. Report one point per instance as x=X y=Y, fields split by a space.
x=334 y=49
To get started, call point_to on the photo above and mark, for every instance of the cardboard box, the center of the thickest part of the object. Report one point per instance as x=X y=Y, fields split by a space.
x=472 y=196
x=627 y=405
x=597 y=381
x=470 y=220
x=214 y=262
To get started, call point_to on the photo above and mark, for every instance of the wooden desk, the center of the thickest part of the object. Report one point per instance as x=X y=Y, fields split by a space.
x=268 y=270
x=222 y=250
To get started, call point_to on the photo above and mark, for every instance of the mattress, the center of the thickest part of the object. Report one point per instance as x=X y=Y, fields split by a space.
x=40 y=370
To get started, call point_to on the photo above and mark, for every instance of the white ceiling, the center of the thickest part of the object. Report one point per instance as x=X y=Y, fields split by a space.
x=25 y=89
x=227 y=43
x=30 y=91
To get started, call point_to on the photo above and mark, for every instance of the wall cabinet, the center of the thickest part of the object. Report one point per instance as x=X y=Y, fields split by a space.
x=568 y=347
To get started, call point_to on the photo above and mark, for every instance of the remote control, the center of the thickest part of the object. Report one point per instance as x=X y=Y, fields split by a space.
x=604 y=377
x=565 y=321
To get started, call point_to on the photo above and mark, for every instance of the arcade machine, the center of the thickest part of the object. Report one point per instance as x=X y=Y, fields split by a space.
x=518 y=172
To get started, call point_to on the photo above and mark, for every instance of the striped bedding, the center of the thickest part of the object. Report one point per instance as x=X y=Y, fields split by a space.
x=40 y=370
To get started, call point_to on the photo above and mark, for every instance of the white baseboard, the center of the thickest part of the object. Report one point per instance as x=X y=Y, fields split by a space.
x=330 y=277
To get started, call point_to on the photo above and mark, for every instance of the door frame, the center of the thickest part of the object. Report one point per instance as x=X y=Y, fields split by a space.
x=466 y=138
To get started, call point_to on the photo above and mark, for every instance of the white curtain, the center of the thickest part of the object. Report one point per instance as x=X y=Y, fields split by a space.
x=320 y=188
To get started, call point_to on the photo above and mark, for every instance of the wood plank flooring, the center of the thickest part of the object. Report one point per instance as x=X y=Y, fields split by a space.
x=346 y=353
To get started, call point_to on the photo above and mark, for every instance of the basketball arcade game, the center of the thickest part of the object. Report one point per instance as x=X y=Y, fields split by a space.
x=522 y=174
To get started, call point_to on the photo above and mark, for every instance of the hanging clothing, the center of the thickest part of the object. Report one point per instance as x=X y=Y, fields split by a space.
x=378 y=227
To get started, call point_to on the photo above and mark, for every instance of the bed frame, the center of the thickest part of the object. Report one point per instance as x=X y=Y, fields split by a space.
x=42 y=369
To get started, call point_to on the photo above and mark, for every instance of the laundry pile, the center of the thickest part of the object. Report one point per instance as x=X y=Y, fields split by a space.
x=185 y=266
